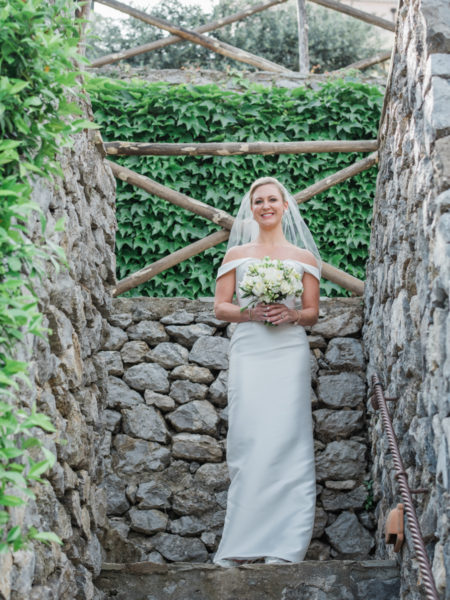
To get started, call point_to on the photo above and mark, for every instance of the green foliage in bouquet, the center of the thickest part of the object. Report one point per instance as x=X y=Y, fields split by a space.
x=39 y=42
x=150 y=228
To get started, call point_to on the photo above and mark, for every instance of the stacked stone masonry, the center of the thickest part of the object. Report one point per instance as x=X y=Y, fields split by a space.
x=166 y=422
x=407 y=321
x=69 y=384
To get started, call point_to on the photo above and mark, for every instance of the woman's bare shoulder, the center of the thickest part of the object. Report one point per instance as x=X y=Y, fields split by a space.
x=236 y=252
x=304 y=256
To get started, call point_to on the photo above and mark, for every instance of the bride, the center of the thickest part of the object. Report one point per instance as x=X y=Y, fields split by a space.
x=270 y=455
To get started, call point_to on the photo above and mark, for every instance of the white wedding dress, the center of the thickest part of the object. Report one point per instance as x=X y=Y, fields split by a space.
x=270 y=452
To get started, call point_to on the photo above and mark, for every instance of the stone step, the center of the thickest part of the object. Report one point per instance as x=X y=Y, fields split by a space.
x=309 y=580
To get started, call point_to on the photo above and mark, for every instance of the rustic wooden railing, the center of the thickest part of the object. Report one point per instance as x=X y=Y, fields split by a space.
x=173 y=39
x=196 y=36
x=217 y=216
x=200 y=39
x=234 y=148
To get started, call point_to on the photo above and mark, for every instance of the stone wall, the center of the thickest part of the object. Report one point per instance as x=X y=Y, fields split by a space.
x=166 y=423
x=407 y=324
x=69 y=383
x=228 y=80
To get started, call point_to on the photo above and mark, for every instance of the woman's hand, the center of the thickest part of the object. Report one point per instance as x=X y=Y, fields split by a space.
x=277 y=314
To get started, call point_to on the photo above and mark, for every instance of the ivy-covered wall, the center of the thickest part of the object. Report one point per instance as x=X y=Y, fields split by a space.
x=150 y=228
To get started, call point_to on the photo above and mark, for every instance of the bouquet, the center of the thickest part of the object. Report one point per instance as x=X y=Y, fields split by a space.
x=270 y=281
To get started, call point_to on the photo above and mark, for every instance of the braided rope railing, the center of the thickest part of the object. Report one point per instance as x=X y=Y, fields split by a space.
x=379 y=402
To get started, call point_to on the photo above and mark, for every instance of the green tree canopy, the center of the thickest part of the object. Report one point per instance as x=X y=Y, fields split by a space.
x=335 y=40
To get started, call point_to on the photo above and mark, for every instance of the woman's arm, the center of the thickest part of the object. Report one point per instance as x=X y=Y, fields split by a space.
x=224 y=309
x=309 y=313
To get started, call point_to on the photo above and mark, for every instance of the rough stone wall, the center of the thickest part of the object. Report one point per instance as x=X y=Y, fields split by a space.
x=166 y=424
x=69 y=382
x=407 y=324
x=195 y=76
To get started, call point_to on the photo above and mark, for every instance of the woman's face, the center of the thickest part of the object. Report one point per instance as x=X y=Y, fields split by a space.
x=268 y=205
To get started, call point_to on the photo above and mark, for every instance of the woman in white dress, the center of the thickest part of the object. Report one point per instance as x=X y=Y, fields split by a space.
x=270 y=453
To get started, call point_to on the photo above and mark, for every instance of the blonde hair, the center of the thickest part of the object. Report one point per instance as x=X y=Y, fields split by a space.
x=263 y=181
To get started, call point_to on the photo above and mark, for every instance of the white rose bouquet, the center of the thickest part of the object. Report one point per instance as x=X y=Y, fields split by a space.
x=270 y=281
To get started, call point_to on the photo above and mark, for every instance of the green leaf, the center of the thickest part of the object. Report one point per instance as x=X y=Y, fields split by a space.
x=13 y=534
x=9 y=500
x=45 y=536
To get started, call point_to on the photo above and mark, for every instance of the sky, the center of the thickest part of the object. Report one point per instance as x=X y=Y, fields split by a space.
x=143 y=5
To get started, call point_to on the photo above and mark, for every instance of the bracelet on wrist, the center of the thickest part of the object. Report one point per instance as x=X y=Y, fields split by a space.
x=299 y=314
x=250 y=314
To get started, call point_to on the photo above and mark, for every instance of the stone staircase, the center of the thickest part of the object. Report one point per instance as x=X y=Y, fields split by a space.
x=309 y=580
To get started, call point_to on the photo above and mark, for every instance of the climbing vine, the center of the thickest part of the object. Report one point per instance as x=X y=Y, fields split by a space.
x=150 y=228
x=39 y=43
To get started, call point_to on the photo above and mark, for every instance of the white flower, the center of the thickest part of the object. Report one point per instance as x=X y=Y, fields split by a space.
x=270 y=281
x=273 y=275
x=258 y=287
x=285 y=288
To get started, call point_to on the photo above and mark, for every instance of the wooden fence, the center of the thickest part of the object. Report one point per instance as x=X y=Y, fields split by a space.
x=217 y=216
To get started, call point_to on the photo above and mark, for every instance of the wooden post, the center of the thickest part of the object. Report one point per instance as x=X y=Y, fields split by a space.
x=173 y=39
x=82 y=10
x=236 y=148
x=199 y=38
x=303 y=52
x=358 y=14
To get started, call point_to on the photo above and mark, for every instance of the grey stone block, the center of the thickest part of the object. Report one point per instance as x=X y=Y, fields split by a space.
x=187 y=525
x=194 y=446
x=169 y=355
x=329 y=424
x=198 y=416
x=335 y=501
x=185 y=391
x=148 y=331
x=112 y=361
x=153 y=494
x=134 y=352
x=147 y=377
x=180 y=549
x=146 y=423
x=115 y=338
x=179 y=317
x=188 y=334
x=164 y=403
x=193 y=501
x=211 y=352
x=218 y=391
x=192 y=373
x=341 y=390
x=341 y=460
x=147 y=521
x=348 y=537
x=345 y=353
x=134 y=457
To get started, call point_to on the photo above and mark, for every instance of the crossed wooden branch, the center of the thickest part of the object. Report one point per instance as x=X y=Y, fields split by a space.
x=225 y=220
x=196 y=36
